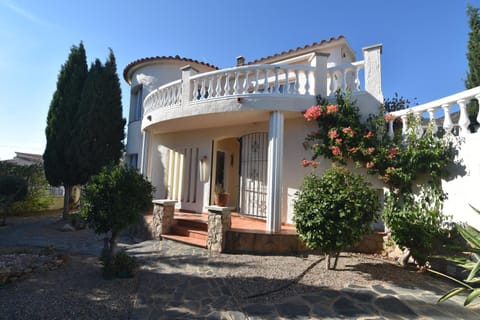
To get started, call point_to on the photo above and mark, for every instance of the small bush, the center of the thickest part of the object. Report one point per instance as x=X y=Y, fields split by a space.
x=333 y=212
x=120 y=265
x=113 y=200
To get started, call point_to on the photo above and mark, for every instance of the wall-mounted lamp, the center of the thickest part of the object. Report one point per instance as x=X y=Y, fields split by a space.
x=204 y=169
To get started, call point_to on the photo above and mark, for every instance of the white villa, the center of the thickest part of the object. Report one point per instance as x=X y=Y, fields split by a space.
x=194 y=128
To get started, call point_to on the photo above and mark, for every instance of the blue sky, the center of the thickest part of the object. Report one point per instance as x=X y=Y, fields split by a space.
x=424 y=44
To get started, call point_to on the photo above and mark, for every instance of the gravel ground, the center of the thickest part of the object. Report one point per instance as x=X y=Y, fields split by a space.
x=76 y=290
x=270 y=279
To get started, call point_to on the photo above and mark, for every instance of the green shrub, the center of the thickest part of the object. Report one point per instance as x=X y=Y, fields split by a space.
x=120 y=265
x=113 y=200
x=38 y=196
x=333 y=212
x=12 y=189
x=415 y=221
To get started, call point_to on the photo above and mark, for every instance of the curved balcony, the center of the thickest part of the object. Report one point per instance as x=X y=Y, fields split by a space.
x=255 y=88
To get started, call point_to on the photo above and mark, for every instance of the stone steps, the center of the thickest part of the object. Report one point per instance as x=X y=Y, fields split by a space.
x=190 y=231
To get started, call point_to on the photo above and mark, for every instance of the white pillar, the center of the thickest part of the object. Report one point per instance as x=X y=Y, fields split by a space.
x=187 y=72
x=144 y=155
x=319 y=61
x=275 y=170
x=373 y=71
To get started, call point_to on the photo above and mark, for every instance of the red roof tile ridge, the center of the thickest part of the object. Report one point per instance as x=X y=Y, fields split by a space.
x=149 y=59
x=298 y=49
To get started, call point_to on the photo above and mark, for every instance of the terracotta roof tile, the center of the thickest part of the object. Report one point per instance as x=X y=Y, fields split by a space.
x=149 y=59
x=297 y=50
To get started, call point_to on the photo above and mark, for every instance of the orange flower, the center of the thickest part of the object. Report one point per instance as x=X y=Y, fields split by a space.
x=332 y=134
x=348 y=131
x=336 y=151
x=389 y=117
x=369 y=165
x=332 y=108
x=353 y=149
x=313 y=113
x=338 y=141
x=305 y=162
x=371 y=150
x=369 y=135
x=392 y=153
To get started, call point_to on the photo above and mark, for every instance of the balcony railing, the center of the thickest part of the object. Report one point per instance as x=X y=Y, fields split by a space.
x=440 y=110
x=168 y=95
x=268 y=80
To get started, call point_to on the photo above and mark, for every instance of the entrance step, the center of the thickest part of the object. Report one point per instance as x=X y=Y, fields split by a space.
x=187 y=240
x=193 y=231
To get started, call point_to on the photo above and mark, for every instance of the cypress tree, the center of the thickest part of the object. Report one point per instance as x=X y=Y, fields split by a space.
x=101 y=126
x=473 y=57
x=60 y=161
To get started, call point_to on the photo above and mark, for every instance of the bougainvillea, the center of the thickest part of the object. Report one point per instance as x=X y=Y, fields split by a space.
x=397 y=161
x=343 y=137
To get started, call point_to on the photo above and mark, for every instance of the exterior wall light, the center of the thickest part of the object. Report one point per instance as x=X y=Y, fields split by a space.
x=204 y=169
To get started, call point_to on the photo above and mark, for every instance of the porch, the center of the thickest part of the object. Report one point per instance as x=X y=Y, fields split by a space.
x=247 y=234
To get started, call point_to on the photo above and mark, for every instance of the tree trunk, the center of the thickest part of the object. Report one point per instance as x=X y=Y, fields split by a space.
x=327 y=262
x=4 y=216
x=337 y=254
x=113 y=243
x=66 y=201
x=403 y=260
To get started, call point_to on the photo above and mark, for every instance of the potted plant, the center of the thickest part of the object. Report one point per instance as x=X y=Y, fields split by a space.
x=221 y=197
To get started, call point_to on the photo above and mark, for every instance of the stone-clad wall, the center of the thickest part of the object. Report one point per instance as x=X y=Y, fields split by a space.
x=219 y=222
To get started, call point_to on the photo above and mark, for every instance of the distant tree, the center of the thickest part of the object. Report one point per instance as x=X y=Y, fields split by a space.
x=12 y=188
x=38 y=197
x=101 y=126
x=396 y=103
x=473 y=57
x=60 y=156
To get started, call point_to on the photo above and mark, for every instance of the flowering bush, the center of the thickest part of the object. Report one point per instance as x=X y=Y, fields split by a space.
x=342 y=137
x=398 y=162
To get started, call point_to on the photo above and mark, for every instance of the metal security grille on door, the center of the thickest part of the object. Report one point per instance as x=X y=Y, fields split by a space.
x=253 y=174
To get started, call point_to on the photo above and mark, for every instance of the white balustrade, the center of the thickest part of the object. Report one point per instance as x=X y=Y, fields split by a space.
x=445 y=104
x=345 y=76
x=257 y=79
x=164 y=96
x=263 y=79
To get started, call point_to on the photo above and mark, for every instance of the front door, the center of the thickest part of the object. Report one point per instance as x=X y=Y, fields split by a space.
x=253 y=174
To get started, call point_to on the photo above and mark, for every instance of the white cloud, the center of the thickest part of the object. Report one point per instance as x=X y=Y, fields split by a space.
x=24 y=13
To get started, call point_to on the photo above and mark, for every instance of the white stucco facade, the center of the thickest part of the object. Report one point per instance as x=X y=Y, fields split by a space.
x=240 y=128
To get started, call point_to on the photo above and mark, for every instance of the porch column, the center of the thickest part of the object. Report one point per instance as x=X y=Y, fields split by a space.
x=275 y=169
x=144 y=155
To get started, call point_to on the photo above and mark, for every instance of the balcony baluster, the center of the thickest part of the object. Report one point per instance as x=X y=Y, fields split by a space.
x=463 y=122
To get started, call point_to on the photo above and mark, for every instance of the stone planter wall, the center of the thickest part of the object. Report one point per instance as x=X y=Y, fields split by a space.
x=163 y=217
x=219 y=222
